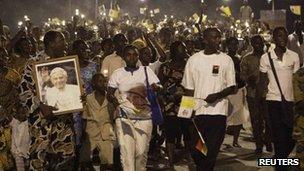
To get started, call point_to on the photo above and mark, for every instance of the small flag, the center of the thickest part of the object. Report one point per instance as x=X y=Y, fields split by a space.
x=226 y=11
x=296 y=9
x=187 y=106
x=142 y=10
x=102 y=9
x=156 y=11
x=200 y=145
x=114 y=13
x=204 y=18
x=195 y=17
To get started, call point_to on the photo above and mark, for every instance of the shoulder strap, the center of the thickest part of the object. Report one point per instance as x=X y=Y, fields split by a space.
x=275 y=75
x=147 y=78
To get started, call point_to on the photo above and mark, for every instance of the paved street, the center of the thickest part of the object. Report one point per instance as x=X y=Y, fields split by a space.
x=230 y=158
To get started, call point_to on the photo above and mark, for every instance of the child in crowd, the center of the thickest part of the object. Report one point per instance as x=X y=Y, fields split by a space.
x=98 y=125
x=20 y=139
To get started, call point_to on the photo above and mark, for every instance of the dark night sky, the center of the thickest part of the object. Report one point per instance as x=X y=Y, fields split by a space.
x=39 y=10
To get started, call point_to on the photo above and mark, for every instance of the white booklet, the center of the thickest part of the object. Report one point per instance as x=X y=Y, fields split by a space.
x=188 y=105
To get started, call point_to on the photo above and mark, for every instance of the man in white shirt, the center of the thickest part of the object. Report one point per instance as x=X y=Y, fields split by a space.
x=114 y=61
x=133 y=122
x=210 y=75
x=59 y=149
x=295 y=40
x=285 y=62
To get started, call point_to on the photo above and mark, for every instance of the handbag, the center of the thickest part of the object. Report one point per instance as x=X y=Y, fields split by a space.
x=287 y=107
x=157 y=116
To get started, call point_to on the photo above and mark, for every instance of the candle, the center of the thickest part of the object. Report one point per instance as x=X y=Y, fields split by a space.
x=77 y=12
x=105 y=72
x=26 y=18
x=20 y=23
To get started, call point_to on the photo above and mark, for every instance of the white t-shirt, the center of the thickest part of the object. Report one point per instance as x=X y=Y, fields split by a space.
x=155 y=66
x=113 y=62
x=132 y=90
x=208 y=74
x=284 y=69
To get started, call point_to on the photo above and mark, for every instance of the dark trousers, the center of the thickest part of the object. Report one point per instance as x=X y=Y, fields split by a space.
x=212 y=128
x=281 y=130
x=260 y=122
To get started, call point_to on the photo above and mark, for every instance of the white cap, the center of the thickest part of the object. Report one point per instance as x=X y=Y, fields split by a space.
x=58 y=70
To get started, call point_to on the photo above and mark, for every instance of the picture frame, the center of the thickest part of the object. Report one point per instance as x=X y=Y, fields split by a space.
x=58 y=84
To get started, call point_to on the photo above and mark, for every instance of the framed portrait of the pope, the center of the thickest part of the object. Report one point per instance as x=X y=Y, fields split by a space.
x=58 y=84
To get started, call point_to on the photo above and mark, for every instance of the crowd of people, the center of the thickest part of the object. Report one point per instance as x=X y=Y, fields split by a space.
x=235 y=66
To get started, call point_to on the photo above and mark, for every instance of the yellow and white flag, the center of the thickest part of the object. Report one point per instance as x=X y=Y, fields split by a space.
x=296 y=9
x=226 y=10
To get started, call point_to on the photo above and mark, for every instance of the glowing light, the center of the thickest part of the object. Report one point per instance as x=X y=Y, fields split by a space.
x=246 y=24
x=105 y=73
x=20 y=23
x=63 y=22
x=77 y=12
x=95 y=28
x=82 y=16
x=26 y=18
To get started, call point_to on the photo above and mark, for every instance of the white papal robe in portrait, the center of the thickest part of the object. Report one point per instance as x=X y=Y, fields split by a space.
x=68 y=99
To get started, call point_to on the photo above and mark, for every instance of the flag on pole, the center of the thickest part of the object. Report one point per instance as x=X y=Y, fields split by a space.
x=226 y=11
x=200 y=145
x=296 y=9
x=156 y=11
x=114 y=12
x=196 y=17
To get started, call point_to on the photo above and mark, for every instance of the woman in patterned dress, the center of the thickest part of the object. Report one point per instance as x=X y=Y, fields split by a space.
x=170 y=75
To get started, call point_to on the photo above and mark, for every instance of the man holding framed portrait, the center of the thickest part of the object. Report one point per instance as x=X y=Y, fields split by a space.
x=52 y=136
